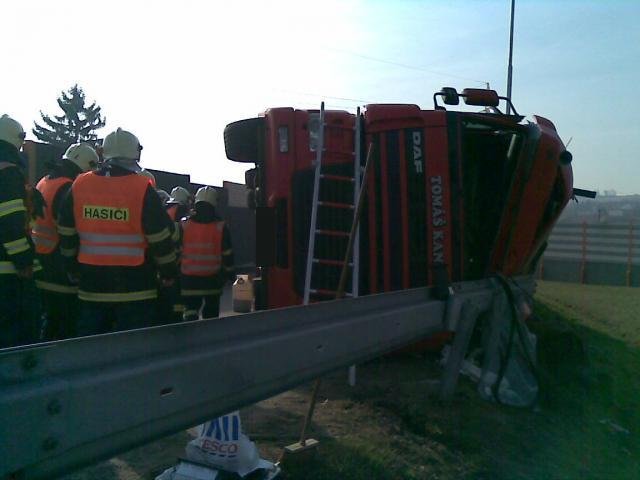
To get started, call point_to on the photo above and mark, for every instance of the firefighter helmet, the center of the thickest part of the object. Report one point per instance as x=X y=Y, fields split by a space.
x=207 y=195
x=82 y=155
x=11 y=131
x=121 y=144
x=181 y=195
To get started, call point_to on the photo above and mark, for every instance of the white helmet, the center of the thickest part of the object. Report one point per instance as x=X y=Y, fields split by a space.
x=181 y=195
x=146 y=173
x=208 y=195
x=121 y=144
x=82 y=155
x=11 y=131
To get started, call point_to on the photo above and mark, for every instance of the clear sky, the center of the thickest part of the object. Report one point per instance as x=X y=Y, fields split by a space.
x=175 y=73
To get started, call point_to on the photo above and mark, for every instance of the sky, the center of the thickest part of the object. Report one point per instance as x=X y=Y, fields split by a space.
x=175 y=73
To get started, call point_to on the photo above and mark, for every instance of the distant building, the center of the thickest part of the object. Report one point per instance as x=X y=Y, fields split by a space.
x=604 y=209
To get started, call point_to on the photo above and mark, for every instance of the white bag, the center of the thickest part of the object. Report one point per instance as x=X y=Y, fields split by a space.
x=221 y=444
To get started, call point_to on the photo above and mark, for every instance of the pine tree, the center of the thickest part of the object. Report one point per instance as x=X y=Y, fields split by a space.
x=78 y=122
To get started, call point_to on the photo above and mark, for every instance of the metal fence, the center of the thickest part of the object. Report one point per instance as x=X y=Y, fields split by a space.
x=593 y=253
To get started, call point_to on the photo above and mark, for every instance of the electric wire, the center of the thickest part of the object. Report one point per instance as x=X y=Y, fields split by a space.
x=402 y=65
x=317 y=95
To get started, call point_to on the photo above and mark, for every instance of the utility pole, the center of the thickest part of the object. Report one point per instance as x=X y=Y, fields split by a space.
x=510 y=68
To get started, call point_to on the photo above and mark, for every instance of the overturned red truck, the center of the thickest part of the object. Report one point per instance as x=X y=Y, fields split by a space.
x=470 y=193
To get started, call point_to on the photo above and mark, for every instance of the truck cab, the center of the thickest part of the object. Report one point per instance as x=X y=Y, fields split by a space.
x=470 y=194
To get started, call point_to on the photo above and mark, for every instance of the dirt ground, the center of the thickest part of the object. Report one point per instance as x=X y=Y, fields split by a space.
x=341 y=412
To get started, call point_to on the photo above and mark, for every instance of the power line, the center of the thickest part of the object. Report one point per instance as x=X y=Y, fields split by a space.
x=403 y=65
x=317 y=95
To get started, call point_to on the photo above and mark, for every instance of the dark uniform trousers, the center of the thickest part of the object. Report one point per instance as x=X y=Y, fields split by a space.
x=170 y=305
x=60 y=317
x=19 y=311
x=59 y=299
x=104 y=317
x=209 y=304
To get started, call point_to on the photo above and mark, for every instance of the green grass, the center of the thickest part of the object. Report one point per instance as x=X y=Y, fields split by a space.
x=614 y=311
x=586 y=426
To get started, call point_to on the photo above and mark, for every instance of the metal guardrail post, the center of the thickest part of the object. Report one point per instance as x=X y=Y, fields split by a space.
x=467 y=323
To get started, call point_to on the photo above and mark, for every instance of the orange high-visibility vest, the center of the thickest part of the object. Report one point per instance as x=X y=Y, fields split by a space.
x=108 y=216
x=44 y=232
x=201 y=248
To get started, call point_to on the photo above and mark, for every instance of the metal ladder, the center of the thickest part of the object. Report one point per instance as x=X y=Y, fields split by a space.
x=322 y=180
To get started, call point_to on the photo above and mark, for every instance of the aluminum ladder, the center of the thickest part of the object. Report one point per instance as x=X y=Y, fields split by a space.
x=325 y=180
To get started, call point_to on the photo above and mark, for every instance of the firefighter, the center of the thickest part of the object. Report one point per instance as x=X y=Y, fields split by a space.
x=57 y=290
x=170 y=307
x=207 y=257
x=178 y=206
x=19 y=301
x=114 y=231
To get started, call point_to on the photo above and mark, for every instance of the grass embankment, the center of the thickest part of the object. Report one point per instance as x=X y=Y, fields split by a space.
x=586 y=425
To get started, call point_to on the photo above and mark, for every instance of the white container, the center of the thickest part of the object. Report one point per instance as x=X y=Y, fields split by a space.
x=242 y=294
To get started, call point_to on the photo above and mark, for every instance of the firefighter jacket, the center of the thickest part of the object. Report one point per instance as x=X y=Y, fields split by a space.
x=16 y=250
x=44 y=232
x=54 y=188
x=115 y=233
x=207 y=255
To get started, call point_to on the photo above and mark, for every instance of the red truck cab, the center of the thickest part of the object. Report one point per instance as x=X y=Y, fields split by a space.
x=467 y=193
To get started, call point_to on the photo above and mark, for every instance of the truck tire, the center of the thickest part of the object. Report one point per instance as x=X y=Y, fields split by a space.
x=244 y=140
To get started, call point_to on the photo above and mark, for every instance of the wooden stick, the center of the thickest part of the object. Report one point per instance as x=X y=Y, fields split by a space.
x=354 y=226
x=341 y=286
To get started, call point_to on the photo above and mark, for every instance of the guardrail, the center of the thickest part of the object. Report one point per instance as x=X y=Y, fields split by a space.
x=593 y=253
x=74 y=402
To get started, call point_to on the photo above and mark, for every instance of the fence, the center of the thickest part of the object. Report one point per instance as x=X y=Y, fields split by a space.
x=593 y=253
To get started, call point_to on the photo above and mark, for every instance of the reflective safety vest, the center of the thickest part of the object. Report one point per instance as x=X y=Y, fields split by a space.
x=201 y=248
x=7 y=267
x=108 y=217
x=44 y=232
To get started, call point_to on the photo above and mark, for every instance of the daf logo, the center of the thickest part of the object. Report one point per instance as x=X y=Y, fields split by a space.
x=417 y=151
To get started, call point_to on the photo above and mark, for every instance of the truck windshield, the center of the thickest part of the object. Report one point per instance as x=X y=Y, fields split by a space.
x=489 y=156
